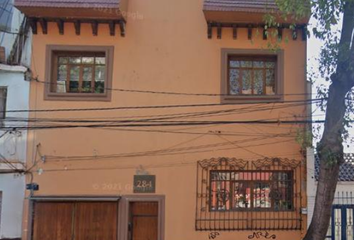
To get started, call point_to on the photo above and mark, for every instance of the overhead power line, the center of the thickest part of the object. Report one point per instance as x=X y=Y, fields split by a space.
x=149 y=118
x=164 y=124
x=172 y=92
x=51 y=158
x=157 y=106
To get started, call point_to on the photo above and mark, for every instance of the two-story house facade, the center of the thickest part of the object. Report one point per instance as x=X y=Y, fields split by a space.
x=165 y=120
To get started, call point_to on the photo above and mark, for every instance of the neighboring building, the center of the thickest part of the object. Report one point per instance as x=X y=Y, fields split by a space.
x=341 y=225
x=129 y=143
x=14 y=95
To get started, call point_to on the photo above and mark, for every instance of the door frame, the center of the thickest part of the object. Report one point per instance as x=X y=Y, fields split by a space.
x=124 y=211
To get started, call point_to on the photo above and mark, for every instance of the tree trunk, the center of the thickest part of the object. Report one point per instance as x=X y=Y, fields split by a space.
x=330 y=148
x=324 y=198
x=330 y=152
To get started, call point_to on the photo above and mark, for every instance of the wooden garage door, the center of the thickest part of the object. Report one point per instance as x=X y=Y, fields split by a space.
x=143 y=220
x=75 y=221
x=52 y=221
x=96 y=221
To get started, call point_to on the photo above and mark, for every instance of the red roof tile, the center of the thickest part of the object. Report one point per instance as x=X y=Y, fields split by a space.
x=68 y=3
x=240 y=5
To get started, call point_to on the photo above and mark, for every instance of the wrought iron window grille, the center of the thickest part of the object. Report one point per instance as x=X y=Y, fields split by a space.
x=234 y=194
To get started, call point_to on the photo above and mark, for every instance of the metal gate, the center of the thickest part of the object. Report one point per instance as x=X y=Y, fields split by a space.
x=341 y=227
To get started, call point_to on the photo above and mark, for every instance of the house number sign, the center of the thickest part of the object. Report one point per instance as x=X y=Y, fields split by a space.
x=144 y=183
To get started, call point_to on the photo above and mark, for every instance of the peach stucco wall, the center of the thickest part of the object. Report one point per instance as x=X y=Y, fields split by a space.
x=165 y=49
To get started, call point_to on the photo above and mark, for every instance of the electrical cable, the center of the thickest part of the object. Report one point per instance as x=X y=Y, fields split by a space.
x=159 y=154
x=162 y=117
x=149 y=153
x=152 y=106
x=171 y=92
x=165 y=124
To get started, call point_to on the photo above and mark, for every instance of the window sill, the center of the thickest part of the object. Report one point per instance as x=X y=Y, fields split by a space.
x=251 y=99
x=105 y=97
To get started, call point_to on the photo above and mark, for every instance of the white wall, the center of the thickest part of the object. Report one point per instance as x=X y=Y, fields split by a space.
x=13 y=146
x=312 y=185
x=12 y=188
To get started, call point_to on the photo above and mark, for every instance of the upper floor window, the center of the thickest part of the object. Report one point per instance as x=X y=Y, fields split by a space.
x=252 y=75
x=79 y=73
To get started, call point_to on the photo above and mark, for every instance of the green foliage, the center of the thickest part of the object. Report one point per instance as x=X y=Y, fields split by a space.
x=294 y=9
x=329 y=158
x=334 y=53
x=304 y=139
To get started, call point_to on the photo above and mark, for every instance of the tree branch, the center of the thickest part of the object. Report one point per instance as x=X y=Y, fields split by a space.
x=346 y=48
x=348 y=24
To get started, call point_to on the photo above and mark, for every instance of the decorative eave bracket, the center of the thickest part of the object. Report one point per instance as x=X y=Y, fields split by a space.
x=77 y=25
x=235 y=26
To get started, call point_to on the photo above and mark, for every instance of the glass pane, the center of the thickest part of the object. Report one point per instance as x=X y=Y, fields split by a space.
x=285 y=176
x=100 y=73
x=286 y=195
x=220 y=195
x=264 y=176
x=86 y=87
x=246 y=64
x=258 y=82
x=235 y=176
x=350 y=219
x=63 y=60
x=258 y=64
x=61 y=81
x=234 y=82
x=220 y=176
x=270 y=82
x=246 y=82
x=99 y=87
x=234 y=63
x=213 y=191
x=88 y=60
x=338 y=224
x=261 y=197
x=74 y=79
x=270 y=65
x=100 y=60
x=241 y=195
x=100 y=76
x=87 y=79
x=75 y=60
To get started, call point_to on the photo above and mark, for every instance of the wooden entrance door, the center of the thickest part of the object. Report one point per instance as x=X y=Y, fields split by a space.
x=143 y=224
